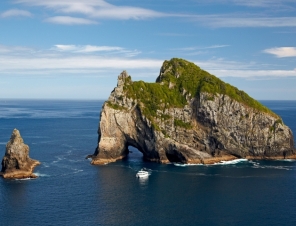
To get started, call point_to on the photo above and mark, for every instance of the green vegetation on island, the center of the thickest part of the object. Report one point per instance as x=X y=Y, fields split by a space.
x=180 y=78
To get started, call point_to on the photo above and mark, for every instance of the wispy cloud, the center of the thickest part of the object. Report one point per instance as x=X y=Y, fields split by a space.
x=281 y=52
x=200 y=47
x=252 y=3
x=69 y=50
x=93 y=60
x=70 y=59
x=16 y=13
x=173 y=34
x=219 y=21
x=14 y=49
x=216 y=64
x=224 y=68
x=74 y=62
x=95 y=9
x=216 y=46
x=68 y=20
x=262 y=3
x=267 y=74
x=198 y=50
x=92 y=10
x=87 y=48
x=90 y=49
x=126 y=13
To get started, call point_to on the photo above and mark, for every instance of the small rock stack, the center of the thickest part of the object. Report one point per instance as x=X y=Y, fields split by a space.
x=16 y=163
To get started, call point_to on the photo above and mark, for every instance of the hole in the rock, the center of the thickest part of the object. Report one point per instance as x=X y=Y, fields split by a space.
x=134 y=154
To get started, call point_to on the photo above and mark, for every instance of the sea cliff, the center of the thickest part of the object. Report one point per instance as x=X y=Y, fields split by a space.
x=188 y=116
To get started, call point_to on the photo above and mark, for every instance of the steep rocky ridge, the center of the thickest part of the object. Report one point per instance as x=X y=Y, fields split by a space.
x=16 y=163
x=188 y=116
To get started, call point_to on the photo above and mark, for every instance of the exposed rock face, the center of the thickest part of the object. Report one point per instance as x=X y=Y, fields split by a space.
x=208 y=128
x=16 y=163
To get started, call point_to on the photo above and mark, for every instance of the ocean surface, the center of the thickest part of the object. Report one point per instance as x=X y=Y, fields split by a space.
x=70 y=191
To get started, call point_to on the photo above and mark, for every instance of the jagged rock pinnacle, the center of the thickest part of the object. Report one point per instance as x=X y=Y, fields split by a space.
x=16 y=162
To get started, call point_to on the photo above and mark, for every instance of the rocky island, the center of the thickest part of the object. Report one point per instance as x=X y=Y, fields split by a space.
x=16 y=163
x=188 y=116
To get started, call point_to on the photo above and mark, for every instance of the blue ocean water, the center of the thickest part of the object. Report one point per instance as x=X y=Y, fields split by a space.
x=70 y=191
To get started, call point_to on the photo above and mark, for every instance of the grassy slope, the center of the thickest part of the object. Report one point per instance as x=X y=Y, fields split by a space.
x=184 y=75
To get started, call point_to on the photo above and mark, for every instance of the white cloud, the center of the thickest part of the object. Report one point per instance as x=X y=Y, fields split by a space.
x=252 y=3
x=83 y=63
x=197 y=50
x=68 y=20
x=91 y=49
x=173 y=34
x=263 y=3
x=254 y=73
x=72 y=59
x=200 y=47
x=282 y=51
x=216 y=46
x=15 y=13
x=87 y=48
x=99 y=9
x=125 y=13
x=217 y=64
x=223 y=68
x=65 y=47
x=14 y=49
x=95 y=9
x=247 y=21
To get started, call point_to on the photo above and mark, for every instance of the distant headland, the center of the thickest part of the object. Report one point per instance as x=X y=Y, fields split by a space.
x=188 y=116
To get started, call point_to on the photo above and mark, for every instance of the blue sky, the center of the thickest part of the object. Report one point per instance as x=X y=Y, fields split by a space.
x=74 y=49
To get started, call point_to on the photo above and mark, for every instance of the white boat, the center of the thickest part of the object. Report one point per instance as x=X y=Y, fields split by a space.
x=142 y=173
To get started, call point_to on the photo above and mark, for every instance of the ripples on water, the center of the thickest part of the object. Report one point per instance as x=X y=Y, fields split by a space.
x=70 y=191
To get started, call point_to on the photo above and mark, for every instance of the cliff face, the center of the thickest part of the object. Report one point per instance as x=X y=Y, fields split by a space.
x=188 y=116
x=16 y=162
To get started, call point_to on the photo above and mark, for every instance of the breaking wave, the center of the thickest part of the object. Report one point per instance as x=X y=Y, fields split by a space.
x=189 y=164
x=287 y=160
x=41 y=175
x=231 y=162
